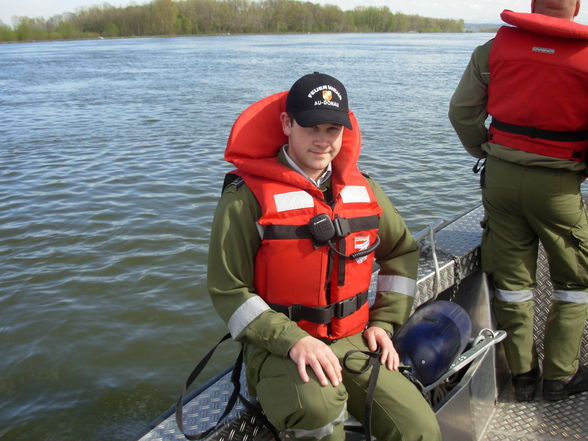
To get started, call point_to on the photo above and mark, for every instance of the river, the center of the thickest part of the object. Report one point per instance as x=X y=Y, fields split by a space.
x=110 y=169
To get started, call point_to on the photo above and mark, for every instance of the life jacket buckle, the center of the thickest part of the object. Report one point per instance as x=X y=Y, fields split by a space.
x=294 y=311
x=342 y=227
x=349 y=306
x=345 y=307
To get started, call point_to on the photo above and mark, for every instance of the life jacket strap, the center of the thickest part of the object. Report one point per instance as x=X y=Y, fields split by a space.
x=534 y=132
x=343 y=227
x=322 y=314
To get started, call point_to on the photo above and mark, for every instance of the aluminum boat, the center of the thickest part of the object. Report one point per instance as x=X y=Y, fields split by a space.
x=473 y=401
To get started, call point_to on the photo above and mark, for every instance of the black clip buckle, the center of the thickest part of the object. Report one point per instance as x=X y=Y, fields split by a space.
x=345 y=307
x=342 y=227
x=294 y=312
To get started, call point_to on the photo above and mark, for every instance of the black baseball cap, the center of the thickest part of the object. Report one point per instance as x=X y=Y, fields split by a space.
x=318 y=98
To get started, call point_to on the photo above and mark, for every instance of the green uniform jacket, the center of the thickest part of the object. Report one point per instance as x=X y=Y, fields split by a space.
x=467 y=113
x=233 y=246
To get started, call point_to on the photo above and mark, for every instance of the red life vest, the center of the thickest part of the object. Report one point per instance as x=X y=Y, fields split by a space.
x=290 y=267
x=538 y=90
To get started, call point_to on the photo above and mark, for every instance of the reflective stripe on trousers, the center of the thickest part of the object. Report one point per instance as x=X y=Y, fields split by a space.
x=525 y=295
x=320 y=432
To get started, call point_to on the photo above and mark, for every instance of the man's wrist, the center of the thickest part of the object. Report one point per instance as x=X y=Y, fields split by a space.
x=387 y=327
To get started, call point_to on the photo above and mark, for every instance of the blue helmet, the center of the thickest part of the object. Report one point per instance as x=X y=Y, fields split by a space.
x=432 y=338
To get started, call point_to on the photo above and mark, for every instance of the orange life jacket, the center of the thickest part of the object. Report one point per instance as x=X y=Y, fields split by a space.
x=538 y=90
x=323 y=291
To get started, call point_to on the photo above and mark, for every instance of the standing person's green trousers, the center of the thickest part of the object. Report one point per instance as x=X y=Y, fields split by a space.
x=523 y=205
x=309 y=411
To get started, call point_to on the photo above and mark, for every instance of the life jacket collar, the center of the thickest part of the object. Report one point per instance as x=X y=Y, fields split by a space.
x=256 y=138
x=545 y=25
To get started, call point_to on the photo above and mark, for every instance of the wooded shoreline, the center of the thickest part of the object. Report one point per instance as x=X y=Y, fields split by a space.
x=218 y=17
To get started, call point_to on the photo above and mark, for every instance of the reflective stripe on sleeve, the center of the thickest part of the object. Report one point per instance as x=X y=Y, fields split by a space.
x=320 y=432
x=401 y=284
x=571 y=296
x=245 y=314
x=514 y=296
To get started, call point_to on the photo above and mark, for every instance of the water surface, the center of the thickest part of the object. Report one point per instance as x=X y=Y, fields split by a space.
x=110 y=169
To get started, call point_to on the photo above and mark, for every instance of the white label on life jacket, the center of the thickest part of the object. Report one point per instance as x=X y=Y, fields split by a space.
x=543 y=50
x=354 y=193
x=293 y=201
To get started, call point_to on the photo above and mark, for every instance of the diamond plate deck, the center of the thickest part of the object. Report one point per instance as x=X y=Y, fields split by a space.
x=539 y=420
x=456 y=247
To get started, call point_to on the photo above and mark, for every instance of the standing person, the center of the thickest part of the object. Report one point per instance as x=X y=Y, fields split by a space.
x=292 y=246
x=533 y=80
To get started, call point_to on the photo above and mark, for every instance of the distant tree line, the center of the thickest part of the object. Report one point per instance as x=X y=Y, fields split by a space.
x=196 y=17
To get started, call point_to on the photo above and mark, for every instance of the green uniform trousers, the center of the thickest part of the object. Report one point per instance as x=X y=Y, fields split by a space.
x=524 y=205
x=313 y=412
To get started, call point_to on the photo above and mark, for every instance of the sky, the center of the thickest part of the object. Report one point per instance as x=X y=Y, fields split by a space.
x=472 y=11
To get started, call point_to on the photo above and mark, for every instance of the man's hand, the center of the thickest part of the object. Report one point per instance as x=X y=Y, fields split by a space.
x=313 y=352
x=375 y=337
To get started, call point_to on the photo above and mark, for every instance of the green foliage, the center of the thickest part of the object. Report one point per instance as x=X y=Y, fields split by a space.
x=162 y=17
x=6 y=33
x=68 y=31
x=192 y=17
x=38 y=29
x=183 y=25
x=374 y=19
x=111 y=30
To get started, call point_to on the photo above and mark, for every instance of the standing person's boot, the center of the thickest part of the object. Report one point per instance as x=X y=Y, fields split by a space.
x=525 y=385
x=554 y=390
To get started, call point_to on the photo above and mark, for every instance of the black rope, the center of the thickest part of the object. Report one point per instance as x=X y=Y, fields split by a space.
x=193 y=375
x=251 y=407
x=236 y=394
x=373 y=362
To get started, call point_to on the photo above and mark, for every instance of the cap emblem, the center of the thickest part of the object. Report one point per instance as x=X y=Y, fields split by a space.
x=327 y=95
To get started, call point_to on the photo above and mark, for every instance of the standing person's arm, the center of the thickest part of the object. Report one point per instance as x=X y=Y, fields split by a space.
x=467 y=109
